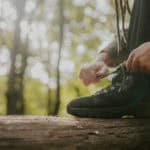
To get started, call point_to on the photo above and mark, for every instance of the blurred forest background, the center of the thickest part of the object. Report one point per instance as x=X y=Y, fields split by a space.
x=42 y=45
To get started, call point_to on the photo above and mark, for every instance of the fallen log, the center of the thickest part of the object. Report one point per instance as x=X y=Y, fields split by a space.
x=54 y=133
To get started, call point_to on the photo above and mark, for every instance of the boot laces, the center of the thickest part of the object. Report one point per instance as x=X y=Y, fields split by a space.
x=117 y=82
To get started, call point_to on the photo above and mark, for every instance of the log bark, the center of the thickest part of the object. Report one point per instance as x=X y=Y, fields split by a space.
x=54 y=133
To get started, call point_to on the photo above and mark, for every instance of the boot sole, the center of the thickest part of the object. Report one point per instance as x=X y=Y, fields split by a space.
x=142 y=110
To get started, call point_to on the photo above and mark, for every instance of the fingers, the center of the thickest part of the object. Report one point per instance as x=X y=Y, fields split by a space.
x=139 y=59
x=103 y=71
x=135 y=66
x=129 y=62
x=88 y=72
x=134 y=61
x=144 y=65
x=87 y=76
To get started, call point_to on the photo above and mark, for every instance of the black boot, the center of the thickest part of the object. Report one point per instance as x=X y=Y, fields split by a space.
x=121 y=98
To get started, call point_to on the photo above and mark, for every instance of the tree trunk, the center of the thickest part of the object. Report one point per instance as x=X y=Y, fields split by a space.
x=49 y=101
x=52 y=133
x=61 y=25
x=24 y=54
x=14 y=94
x=12 y=91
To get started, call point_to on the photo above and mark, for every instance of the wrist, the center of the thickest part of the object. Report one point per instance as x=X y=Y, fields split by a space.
x=105 y=57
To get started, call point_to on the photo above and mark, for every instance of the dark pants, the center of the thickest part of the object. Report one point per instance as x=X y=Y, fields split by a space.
x=139 y=30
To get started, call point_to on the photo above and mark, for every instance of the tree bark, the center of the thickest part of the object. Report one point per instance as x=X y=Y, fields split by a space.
x=52 y=133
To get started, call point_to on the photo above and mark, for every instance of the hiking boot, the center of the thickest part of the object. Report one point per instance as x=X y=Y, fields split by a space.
x=120 y=98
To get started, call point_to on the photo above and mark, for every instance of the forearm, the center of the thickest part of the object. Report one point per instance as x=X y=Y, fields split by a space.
x=105 y=57
x=111 y=55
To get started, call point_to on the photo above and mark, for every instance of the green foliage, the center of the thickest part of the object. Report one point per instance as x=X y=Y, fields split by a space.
x=35 y=97
x=3 y=81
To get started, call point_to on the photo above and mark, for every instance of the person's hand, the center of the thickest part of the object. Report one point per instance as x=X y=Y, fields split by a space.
x=139 y=59
x=89 y=72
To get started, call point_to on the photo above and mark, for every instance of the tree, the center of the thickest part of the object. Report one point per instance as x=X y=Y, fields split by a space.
x=14 y=92
x=61 y=26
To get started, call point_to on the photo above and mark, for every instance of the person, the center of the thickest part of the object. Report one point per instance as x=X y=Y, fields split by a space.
x=131 y=85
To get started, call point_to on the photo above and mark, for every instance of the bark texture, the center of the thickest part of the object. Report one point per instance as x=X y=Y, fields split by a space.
x=54 y=133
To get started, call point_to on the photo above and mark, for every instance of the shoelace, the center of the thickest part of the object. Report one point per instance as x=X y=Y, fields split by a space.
x=121 y=71
x=121 y=67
